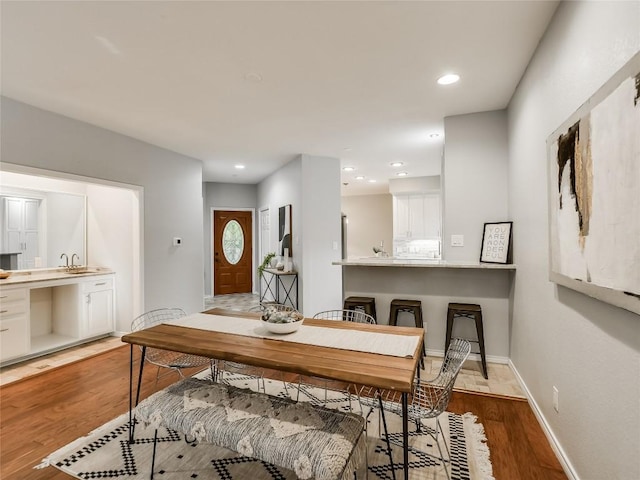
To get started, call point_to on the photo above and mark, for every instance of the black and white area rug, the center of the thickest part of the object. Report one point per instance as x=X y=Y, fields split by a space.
x=106 y=453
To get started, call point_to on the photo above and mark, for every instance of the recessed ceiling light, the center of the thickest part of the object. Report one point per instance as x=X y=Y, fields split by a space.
x=448 y=79
x=402 y=174
x=239 y=167
x=372 y=181
x=397 y=164
x=348 y=169
x=360 y=177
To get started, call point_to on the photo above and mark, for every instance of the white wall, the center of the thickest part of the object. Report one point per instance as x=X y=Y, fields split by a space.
x=474 y=180
x=370 y=221
x=588 y=349
x=311 y=185
x=113 y=231
x=227 y=196
x=172 y=191
x=284 y=187
x=321 y=234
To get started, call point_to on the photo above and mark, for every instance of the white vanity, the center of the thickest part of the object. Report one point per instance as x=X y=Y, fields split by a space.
x=45 y=310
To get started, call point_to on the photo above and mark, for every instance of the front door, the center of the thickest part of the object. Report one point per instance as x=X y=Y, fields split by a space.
x=232 y=247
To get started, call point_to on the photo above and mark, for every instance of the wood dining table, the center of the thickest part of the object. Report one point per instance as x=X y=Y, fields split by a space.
x=349 y=366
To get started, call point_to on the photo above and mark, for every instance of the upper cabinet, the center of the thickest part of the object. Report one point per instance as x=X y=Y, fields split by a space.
x=416 y=217
x=20 y=229
x=416 y=225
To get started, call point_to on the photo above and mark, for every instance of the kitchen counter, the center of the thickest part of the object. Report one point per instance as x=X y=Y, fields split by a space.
x=436 y=283
x=44 y=274
x=421 y=263
x=45 y=310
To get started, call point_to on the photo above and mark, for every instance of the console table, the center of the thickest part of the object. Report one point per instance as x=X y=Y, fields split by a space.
x=277 y=282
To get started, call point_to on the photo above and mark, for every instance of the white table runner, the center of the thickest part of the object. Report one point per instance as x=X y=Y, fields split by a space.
x=344 y=339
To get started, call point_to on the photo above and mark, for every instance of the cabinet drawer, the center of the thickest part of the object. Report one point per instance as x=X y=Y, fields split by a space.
x=12 y=295
x=105 y=283
x=10 y=309
x=14 y=338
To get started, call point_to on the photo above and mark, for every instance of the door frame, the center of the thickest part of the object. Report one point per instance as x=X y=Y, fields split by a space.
x=253 y=243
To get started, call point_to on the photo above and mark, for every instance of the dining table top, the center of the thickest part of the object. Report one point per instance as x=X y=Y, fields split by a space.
x=376 y=370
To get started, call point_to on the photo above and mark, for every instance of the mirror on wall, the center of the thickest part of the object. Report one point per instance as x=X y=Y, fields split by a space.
x=40 y=219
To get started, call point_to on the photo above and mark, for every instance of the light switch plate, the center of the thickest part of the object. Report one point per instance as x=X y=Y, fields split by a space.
x=457 y=240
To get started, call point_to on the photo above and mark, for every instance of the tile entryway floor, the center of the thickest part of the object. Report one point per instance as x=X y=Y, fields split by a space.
x=502 y=380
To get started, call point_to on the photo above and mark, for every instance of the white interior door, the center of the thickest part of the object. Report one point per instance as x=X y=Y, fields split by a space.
x=265 y=233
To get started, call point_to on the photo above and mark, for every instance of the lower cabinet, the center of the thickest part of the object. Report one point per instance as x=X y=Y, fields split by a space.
x=52 y=315
x=14 y=323
x=97 y=315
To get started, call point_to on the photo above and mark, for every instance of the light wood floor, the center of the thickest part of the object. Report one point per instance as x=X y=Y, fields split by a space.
x=45 y=412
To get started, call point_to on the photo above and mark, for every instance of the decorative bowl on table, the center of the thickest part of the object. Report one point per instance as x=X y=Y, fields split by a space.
x=281 y=322
x=4 y=274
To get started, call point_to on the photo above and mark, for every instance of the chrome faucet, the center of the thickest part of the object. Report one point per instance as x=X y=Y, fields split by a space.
x=73 y=265
x=66 y=259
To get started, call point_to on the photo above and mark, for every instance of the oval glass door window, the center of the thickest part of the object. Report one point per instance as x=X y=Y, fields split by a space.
x=233 y=242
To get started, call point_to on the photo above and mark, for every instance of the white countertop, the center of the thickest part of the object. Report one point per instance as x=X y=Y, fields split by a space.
x=43 y=274
x=421 y=263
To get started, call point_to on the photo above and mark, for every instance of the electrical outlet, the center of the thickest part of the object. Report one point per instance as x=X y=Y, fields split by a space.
x=556 y=399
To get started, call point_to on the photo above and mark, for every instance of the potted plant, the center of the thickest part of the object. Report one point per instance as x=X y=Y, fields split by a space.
x=266 y=262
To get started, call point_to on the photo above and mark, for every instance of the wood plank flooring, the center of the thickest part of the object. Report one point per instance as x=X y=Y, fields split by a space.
x=41 y=414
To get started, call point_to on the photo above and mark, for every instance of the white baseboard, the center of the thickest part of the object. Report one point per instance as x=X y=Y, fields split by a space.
x=546 y=428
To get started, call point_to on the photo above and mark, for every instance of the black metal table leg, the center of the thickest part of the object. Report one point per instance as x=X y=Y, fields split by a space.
x=131 y=405
x=405 y=433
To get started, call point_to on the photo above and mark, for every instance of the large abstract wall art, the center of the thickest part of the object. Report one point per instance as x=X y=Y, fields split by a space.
x=594 y=194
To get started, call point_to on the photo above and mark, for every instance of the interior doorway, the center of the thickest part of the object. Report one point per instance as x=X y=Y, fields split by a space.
x=232 y=251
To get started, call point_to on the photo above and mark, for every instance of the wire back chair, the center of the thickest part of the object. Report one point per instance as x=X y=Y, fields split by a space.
x=357 y=316
x=429 y=399
x=174 y=361
x=304 y=382
x=277 y=306
x=249 y=370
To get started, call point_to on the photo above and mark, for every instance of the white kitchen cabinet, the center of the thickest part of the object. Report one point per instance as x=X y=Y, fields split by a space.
x=43 y=313
x=97 y=300
x=20 y=217
x=14 y=322
x=416 y=217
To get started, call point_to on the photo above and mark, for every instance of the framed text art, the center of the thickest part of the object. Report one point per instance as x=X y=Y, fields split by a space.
x=284 y=231
x=496 y=243
x=594 y=204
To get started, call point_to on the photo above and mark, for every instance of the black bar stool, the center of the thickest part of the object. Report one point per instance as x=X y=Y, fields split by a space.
x=368 y=304
x=474 y=312
x=413 y=307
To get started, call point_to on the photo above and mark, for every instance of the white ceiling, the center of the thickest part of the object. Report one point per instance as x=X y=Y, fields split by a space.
x=258 y=83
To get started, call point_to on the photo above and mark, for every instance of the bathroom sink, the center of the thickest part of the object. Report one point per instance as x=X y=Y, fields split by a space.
x=79 y=270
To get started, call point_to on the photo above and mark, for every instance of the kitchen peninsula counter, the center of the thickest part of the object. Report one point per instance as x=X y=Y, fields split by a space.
x=420 y=263
x=436 y=283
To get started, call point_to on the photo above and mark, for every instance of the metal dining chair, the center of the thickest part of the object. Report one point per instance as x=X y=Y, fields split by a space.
x=174 y=361
x=357 y=316
x=249 y=371
x=306 y=382
x=429 y=398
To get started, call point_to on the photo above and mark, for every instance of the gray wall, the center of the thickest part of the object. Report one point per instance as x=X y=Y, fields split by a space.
x=311 y=185
x=370 y=221
x=172 y=190
x=227 y=196
x=474 y=180
x=588 y=349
